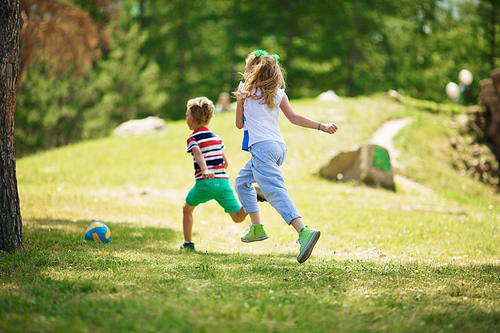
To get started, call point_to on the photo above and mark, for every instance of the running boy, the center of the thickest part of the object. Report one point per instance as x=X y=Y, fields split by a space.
x=210 y=163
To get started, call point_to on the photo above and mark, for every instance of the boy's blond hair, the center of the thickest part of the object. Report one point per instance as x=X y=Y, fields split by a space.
x=201 y=109
x=265 y=78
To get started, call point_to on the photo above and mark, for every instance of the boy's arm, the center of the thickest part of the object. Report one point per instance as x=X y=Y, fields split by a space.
x=302 y=121
x=200 y=160
x=239 y=113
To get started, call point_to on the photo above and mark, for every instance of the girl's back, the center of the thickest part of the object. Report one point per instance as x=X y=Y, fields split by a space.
x=261 y=122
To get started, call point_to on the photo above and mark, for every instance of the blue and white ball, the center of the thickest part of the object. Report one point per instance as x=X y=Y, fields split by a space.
x=98 y=232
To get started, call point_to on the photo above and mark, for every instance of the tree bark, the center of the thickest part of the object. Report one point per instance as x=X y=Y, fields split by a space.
x=353 y=50
x=493 y=45
x=10 y=214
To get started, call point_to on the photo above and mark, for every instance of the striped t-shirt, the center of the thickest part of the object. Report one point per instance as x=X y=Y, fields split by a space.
x=211 y=147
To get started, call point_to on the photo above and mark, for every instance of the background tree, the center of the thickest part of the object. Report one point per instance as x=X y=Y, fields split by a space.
x=114 y=72
x=59 y=44
x=125 y=85
x=489 y=14
x=10 y=213
x=189 y=41
x=63 y=33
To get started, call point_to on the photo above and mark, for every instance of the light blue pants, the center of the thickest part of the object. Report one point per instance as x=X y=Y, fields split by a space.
x=264 y=169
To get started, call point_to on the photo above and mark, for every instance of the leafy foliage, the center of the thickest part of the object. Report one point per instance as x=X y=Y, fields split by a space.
x=60 y=36
x=126 y=84
x=50 y=111
x=186 y=48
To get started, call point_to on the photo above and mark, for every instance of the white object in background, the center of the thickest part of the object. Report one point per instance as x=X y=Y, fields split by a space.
x=465 y=77
x=452 y=91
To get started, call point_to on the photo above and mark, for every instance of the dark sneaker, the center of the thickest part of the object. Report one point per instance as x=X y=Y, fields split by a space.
x=187 y=246
x=307 y=239
x=260 y=195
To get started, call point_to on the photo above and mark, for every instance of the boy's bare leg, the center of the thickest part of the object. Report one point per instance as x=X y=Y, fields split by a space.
x=187 y=221
x=239 y=216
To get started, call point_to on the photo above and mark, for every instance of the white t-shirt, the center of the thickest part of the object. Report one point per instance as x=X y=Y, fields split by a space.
x=261 y=122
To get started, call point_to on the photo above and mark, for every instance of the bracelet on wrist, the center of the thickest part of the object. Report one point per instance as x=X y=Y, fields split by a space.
x=319 y=126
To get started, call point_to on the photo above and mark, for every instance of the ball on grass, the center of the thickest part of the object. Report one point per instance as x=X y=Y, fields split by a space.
x=98 y=232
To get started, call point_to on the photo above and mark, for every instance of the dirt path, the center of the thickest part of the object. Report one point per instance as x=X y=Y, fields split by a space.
x=383 y=136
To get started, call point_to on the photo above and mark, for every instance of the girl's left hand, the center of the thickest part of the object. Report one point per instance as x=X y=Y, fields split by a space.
x=329 y=128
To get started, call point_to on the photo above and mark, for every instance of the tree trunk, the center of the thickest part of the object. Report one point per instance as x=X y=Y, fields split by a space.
x=10 y=212
x=142 y=18
x=493 y=45
x=353 y=51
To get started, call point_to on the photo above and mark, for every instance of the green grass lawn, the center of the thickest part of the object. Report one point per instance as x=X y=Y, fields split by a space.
x=412 y=260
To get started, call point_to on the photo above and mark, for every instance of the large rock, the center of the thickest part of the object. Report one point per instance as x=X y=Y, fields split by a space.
x=329 y=96
x=369 y=164
x=141 y=126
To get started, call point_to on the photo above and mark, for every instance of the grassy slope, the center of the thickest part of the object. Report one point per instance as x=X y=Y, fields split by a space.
x=398 y=261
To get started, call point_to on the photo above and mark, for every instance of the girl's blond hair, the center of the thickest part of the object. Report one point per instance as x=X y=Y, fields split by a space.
x=266 y=76
x=201 y=109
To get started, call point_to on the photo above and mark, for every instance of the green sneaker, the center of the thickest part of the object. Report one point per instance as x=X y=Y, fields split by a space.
x=254 y=233
x=307 y=239
x=187 y=246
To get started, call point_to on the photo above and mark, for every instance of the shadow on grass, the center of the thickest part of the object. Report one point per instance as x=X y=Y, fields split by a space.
x=46 y=239
x=57 y=260
x=45 y=234
x=61 y=276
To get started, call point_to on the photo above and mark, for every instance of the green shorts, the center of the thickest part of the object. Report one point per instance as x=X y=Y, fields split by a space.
x=218 y=189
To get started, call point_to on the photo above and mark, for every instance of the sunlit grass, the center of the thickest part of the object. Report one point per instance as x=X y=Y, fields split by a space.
x=402 y=261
